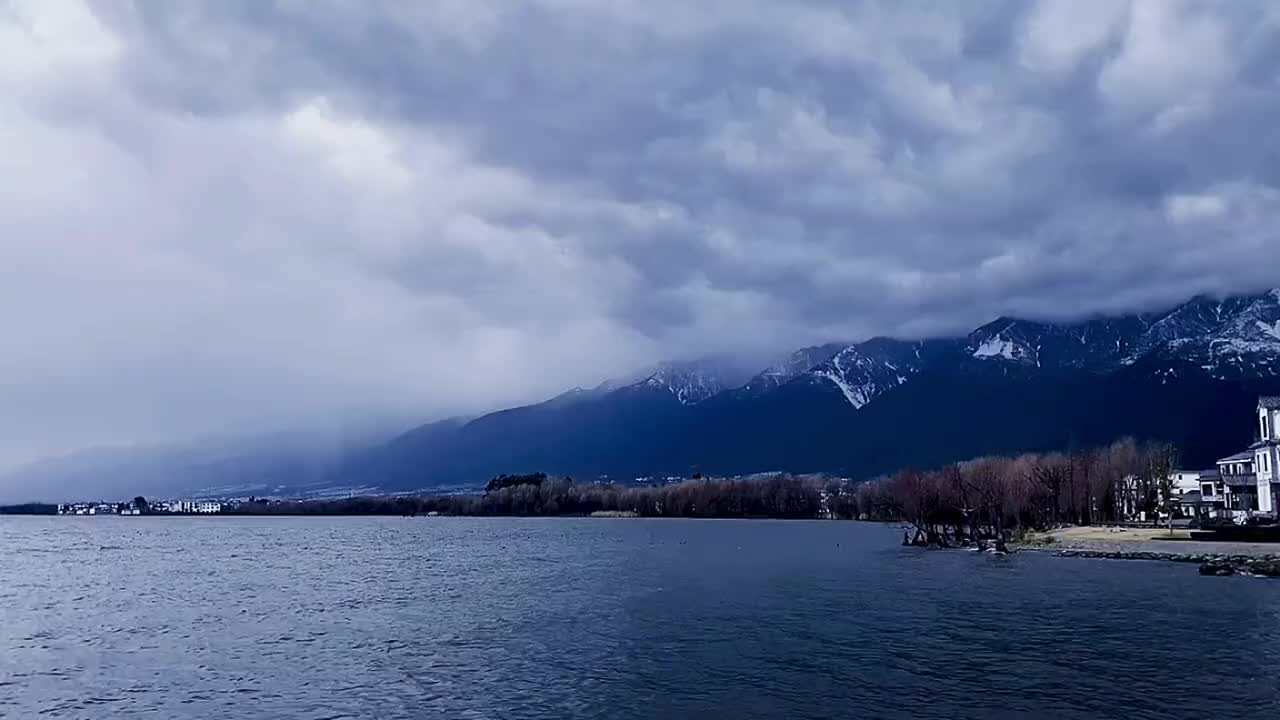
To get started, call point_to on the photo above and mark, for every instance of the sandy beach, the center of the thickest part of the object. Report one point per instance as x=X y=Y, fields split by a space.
x=1144 y=540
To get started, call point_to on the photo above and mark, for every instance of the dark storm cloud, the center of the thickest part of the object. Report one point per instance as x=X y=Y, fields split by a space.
x=229 y=214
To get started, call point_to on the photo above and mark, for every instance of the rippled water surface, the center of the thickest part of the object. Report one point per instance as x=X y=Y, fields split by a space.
x=551 y=618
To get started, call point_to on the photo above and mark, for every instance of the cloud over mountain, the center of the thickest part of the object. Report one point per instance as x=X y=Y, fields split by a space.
x=244 y=214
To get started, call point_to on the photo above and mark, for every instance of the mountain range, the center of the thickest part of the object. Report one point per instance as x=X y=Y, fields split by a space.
x=1188 y=375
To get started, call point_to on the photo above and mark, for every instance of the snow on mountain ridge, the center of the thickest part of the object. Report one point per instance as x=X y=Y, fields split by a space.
x=1226 y=337
x=997 y=346
x=1232 y=337
x=689 y=386
x=693 y=381
x=795 y=365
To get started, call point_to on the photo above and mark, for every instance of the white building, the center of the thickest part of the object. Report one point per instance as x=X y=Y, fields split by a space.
x=1185 y=481
x=1195 y=492
x=187 y=506
x=1237 y=485
x=1248 y=482
x=1266 y=457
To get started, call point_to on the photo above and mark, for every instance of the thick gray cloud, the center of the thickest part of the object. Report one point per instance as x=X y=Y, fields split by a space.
x=226 y=216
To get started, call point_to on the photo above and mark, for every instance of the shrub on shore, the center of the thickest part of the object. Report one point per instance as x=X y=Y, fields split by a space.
x=992 y=498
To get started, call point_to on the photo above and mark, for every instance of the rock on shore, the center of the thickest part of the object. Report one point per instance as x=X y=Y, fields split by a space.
x=1210 y=564
x=1264 y=568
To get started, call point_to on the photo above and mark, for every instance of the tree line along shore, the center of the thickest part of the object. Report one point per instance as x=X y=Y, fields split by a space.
x=979 y=501
x=984 y=499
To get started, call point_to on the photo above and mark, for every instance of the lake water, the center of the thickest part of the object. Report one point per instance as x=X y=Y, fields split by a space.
x=567 y=618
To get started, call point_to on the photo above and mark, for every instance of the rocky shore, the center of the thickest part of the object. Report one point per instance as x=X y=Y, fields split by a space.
x=1210 y=564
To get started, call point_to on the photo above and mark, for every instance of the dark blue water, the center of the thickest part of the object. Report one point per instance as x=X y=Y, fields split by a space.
x=500 y=618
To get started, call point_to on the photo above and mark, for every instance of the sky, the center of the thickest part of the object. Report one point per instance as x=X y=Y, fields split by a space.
x=239 y=215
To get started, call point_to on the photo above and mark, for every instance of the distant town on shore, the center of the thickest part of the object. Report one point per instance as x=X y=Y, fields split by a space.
x=140 y=506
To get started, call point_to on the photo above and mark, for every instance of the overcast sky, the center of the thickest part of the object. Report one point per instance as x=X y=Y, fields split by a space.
x=227 y=216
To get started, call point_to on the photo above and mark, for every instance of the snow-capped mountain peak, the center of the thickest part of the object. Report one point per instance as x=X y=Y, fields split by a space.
x=864 y=371
x=1225 y=337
